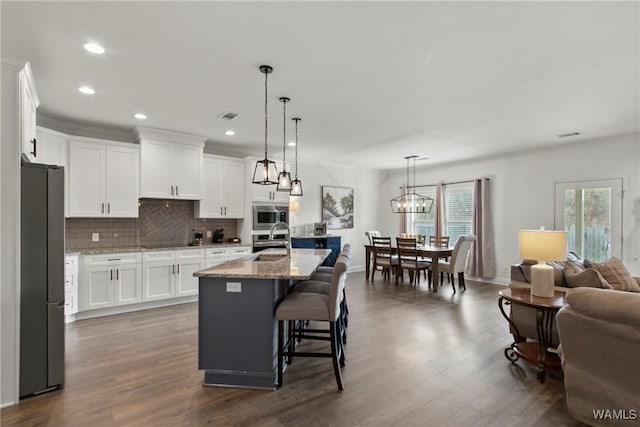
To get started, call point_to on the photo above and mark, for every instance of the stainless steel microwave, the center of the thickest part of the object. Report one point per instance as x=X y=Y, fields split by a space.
x=265 y=216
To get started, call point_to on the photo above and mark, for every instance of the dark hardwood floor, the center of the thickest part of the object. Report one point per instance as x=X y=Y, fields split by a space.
x=413 y=359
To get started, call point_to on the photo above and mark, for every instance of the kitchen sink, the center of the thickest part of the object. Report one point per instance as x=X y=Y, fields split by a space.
x=269 y=257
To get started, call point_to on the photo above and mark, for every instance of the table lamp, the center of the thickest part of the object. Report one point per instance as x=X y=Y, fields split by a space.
x=542 y=245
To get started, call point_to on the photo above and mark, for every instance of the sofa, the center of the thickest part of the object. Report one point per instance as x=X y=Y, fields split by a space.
x=599 y=332
x=573 y=273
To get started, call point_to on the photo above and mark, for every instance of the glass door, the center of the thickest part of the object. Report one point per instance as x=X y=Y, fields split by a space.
x=591 y=214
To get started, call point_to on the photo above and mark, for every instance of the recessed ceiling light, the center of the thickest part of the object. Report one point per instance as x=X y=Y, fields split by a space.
x=229 y=132
x=291 y=143
x=94 y=48
x=140 y=116
x=86 y=90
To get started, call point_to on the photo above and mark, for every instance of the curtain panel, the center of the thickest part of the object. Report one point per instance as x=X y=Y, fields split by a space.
x=482 y=262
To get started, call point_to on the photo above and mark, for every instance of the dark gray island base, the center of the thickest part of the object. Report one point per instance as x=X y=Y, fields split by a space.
x=237 y=331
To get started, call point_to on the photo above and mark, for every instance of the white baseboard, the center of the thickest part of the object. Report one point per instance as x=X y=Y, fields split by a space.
x=90 y=314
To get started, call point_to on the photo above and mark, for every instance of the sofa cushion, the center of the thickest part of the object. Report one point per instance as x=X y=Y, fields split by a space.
x=578 y=277
x=615 y=273
x=606 y=305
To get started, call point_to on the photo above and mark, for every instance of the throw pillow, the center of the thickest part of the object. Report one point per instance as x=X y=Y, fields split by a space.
x=615 y=273
x=577 y=277
x=574 y=258
x=558 y=277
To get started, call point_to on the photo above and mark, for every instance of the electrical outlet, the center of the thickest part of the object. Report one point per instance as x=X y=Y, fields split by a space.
x=95 y=237
x=234 y=286
x=209 y=235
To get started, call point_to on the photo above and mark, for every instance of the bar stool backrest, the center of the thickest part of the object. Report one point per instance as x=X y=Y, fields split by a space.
x=336 y=290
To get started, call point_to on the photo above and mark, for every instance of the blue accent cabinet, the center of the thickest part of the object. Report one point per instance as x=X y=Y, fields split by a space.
x=320 y=242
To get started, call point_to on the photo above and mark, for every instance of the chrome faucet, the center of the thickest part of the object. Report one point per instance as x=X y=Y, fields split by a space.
x=287 y=243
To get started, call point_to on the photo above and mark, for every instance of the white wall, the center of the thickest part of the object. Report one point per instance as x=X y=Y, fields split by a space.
x=366 y=184
x=9 y=229
x=522 y=187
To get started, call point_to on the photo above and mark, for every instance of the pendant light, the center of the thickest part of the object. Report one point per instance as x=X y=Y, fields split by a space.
x=411 y=202
x=284 y=178
x=296 y=184
x=265 y=172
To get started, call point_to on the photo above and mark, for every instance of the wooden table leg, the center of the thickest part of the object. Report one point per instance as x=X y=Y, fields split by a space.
x=367 y=262
x=435 y=273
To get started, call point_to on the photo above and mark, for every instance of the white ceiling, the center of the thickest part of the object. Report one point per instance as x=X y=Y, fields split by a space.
x=372 y=81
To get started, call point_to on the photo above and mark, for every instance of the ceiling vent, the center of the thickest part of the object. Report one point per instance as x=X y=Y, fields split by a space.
x=566 y=135
x=227 y=116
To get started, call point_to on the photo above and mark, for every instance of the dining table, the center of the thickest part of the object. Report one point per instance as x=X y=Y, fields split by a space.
x=435 y=253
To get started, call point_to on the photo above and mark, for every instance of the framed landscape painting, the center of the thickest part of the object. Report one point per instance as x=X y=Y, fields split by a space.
x=337 y=207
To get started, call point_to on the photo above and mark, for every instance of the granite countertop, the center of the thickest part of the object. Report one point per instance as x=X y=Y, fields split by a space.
x=167 y=247
x=275 y=265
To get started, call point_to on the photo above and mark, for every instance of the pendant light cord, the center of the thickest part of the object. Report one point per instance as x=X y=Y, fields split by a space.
x=296 y=120
x=284 y=134
x=265 y=114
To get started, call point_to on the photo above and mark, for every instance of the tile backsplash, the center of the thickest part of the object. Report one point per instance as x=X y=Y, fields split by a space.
x=159 y=222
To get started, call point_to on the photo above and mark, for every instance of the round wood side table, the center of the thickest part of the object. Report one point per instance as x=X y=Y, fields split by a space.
x=531 y=351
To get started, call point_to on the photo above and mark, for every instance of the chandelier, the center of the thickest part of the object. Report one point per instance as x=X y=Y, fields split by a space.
x=410 y=201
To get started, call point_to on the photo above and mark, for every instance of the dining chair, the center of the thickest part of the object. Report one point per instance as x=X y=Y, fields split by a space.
x=440 y=241
x=408 y=259
x=383 y=257
x=372 y=233
x=458 y=261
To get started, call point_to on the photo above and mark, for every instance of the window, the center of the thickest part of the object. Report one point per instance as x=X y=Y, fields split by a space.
x=457 y=213
x=423 y=223
x=591 y=214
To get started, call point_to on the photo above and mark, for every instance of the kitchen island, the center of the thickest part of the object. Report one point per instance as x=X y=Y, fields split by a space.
x=237 y=330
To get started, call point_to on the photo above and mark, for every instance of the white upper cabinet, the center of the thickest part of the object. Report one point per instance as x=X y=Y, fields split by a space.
x=223 y=195
x=103 y=179
x=28 y=101
x=52 y=150
x=171 y=164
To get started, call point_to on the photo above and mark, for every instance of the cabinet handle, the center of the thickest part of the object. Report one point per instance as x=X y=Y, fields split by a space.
x=102 y=207
x=173 y=269
x=109 y=207
x=225 y=211
x=171 y=190
x=177 y=191
x=35 y=147
x=117 y=274
x=111 y=274
x=220 y=210
x=178 y=268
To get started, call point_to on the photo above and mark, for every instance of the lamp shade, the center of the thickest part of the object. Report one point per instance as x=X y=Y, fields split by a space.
x=543 y=245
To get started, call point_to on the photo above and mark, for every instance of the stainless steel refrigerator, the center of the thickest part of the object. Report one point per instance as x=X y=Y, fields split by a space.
x=41 y=278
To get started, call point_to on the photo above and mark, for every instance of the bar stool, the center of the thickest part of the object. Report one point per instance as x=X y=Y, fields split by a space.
x=346 y=249
x=326 y=277
x=311 y=306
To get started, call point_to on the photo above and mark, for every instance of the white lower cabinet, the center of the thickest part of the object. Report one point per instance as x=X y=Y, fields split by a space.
x=70 y=285
x=215 y=256
x=110 y=280
x=169 y=274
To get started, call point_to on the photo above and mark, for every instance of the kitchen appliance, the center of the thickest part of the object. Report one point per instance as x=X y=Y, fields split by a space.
x=218 y=235
x=262 y=241
x=265 y=216
x=319 y=228
x=41 y=278
x=233 y=240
